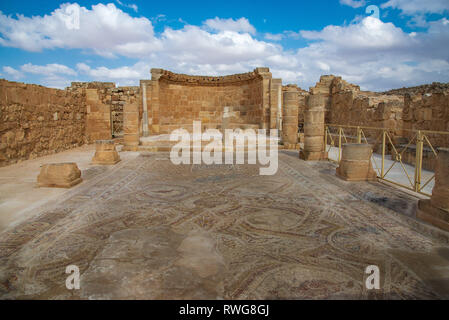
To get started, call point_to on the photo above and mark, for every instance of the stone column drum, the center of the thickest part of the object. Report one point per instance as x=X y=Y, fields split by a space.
x=436 y=209
x=355 y=164
x=131 y=136
x=314 y=130
x=59 y=175
x=290 y=117
x=105 y=152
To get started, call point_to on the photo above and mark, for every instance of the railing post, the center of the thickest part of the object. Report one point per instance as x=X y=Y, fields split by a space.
x=339 y=144
x=383 y=154
x=325 y=138
x=359 y=135
x=418 y=161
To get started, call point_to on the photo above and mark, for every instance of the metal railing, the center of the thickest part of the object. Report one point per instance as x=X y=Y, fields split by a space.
x=384 y=145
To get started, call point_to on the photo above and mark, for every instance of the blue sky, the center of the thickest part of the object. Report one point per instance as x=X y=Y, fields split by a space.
x=120 y=41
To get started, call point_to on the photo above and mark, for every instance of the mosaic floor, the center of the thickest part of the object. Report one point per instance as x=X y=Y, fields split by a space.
x=149 y=229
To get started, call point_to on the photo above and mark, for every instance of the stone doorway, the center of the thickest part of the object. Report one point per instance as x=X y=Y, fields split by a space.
x=117 y=118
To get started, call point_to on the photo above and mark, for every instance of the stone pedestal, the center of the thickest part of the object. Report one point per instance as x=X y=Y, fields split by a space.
x=290 y=117
x=105 y=153
x=436 y=210
x=314 y=148
x=355 y=164
x=59 y=175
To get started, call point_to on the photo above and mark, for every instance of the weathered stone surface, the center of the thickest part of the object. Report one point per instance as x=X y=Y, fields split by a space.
x=131 y=125
x=440 y=192
x=314 y=148
x=433 y=215
x=427 y=111
x=174 y=101
x=105 y=153
x=155 y=230
x=355 y=164
x=290 y=116
x=436 y=210
x=59 y=175
x=37 y=121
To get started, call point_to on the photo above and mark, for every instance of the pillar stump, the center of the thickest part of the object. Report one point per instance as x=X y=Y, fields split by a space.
x=314 y=148
x=59 y=175
x=355 y=164
x=105 y=153
x=290 y=117
x=131 y=123
x=436 y=209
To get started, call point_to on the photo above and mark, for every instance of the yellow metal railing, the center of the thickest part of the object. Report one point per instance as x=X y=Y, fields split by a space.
x=336 y=135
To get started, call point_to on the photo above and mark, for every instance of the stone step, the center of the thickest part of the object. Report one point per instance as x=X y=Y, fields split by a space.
x=168 y=148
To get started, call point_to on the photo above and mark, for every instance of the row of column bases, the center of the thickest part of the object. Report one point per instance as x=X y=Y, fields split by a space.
x=67 y=175
x=355 y=165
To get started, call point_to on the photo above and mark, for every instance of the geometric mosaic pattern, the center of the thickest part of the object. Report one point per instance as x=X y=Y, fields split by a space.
x=149 y=229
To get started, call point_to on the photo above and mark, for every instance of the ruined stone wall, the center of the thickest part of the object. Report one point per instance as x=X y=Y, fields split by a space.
x=428 y=111
x=418 y=108
x=347 y=105
x=176 y=100
x=105 y=104
x=36 y=121
x=302 y=100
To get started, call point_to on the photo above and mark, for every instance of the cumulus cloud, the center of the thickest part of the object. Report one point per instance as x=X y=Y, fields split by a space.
x=105 y=29
x=411 y=7
x=240 y=25
x=353 y=3
x=369 y=52
x=192 y=44
x=15 y=74
x=122 y=76
x=378 y=55
x=370 y=33
x=274 y=37
x=47 y=70
x=131 y=6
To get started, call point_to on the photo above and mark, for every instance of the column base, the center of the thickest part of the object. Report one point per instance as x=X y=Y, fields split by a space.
x=370 y=176
x=59 y=175
x=106 y=162
x=313 y=156
x=291 y=146
x=433 y=215
x=130 y=148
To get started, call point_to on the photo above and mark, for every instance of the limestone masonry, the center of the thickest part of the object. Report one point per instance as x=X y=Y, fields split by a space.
x=36 y=121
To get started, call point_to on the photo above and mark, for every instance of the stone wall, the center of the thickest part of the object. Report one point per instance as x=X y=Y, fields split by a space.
x=428 y=111
x=36 y=121
x=347 y=105
x=401 y=111
x=105 y=104
x=176 y=100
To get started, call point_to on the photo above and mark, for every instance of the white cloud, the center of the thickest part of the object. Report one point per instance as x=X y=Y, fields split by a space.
x=378 y=55
x=128 y=75
x=15 y=74
x=411 y=7
x=353 y=3
x=49 y=69
x=240 y=25
x=192 y=44
x=370 y=33
x=369 y=52
x=131 y=6
x=274 y=37
x=104 y=29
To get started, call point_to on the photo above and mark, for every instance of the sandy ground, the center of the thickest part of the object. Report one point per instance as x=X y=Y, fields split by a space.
x=146 y=228
x=20 y=199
